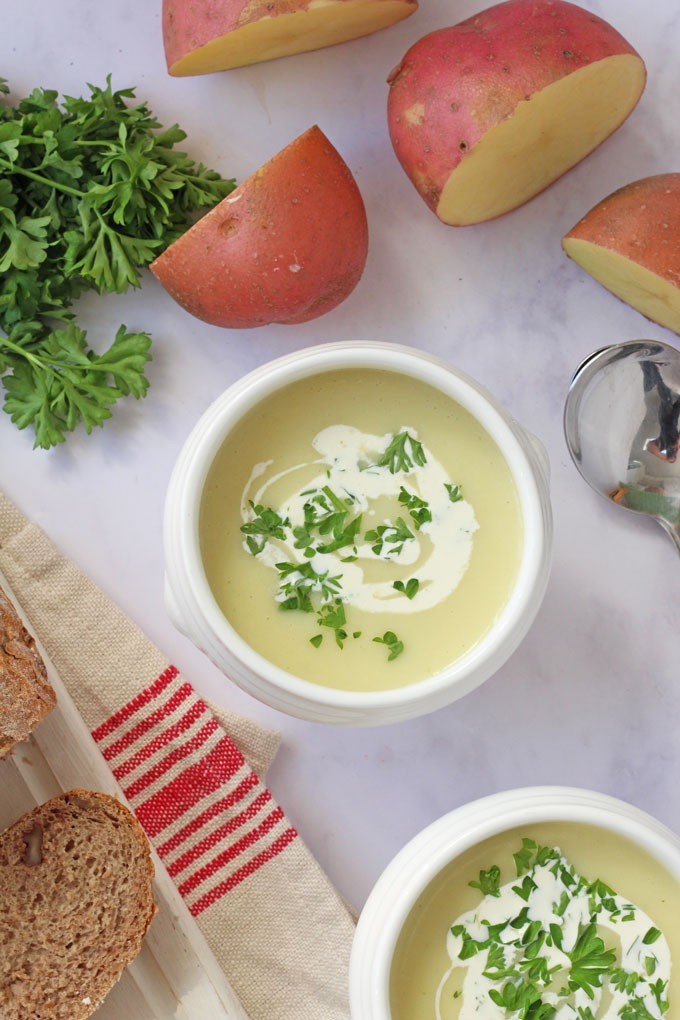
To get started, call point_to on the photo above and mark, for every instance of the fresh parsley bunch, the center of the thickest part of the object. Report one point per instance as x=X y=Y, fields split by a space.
x=90 y=193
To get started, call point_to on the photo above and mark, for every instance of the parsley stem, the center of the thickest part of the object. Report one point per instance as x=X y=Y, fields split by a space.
x=45 y=363
x=42 y=180
x=38 y=363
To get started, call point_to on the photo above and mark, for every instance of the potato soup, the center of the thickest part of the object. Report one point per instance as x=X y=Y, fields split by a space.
x=555 y=920
x=360 y=530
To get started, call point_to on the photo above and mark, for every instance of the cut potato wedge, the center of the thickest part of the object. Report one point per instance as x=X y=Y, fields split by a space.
x=630 y=243
x=488 y=113
x=202 y=36
x=548 y=133
x=288 y=245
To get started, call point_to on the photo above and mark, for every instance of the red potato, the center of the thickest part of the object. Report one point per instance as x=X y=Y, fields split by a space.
x=288 y=245
x=630 y=243
x=488 y=113
x=201 y=36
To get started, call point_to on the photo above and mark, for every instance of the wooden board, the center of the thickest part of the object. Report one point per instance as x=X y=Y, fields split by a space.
x=175 y=974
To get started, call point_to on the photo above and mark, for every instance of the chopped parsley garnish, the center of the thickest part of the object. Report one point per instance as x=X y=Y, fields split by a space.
x=455 y=492
x=297 y=581
x=525 y=856
x=333 y=616
x=255 y=546
x=590 y=961
x=326 y=522
x=396 y=456
x=265 y=522
x=624 y=980
x=489 y=881
x=418 y=508
x=395 y=646
x=342 y=536
x=526 y=888
x=516 y=964
x=636 y=1010
x=389 y=534
x=410 y=589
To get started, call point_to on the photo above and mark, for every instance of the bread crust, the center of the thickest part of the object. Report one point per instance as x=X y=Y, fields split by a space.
x=75 y=904
x=26 y=695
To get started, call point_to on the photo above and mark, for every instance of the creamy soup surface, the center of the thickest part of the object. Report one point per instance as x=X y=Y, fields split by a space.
x=360 y=530
x=627 y=973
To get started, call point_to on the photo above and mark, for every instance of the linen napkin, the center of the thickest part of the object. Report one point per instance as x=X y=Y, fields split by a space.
x=268 y=912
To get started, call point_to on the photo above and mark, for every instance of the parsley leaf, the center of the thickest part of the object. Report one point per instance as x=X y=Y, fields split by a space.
x=391 y=534
x=266 y=522
x=396 y=456
x=455 y=492
x=590 y=961
x=395 y=646
x=635 y=1010
x=624 y=980
x=410 y=589
x=333 y=616
x=418 y=508
x=62 y=383
x=489 y=881
x=525 y=856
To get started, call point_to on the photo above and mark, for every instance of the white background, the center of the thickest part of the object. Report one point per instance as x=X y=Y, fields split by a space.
x=592 y=697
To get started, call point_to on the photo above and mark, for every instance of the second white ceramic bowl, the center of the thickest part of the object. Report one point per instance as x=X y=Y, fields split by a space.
x=410 y=872
x=194 y=610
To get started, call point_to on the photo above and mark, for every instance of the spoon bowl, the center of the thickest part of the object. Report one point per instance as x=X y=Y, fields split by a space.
x=621 y=424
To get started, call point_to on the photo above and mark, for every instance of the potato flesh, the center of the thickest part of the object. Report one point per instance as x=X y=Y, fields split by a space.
x=546 y=135
x=650 y=294
x=322 y=23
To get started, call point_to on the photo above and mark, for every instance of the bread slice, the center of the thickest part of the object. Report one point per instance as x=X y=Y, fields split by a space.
x=75 y=904
x=25 y=692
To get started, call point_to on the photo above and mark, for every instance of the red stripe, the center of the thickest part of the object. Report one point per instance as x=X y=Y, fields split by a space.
x=149 y=749
x=177 y=754
x=232 y=851
x=247 y=869
x=141 y=699
x=148 y=723
x=218 y=835
x=206 y=816
x=196 y=782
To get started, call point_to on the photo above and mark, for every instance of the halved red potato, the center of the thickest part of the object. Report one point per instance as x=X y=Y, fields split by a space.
x=630 y=243
x=488 y=113
x=201 y=36
x=288 y=245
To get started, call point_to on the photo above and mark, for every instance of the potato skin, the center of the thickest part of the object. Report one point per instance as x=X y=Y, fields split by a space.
x=288 y=245
x=641 y=222
x=189 y=25
x=457 y=83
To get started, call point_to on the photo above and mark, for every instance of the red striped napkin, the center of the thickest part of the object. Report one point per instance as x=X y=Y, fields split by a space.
x=191 y=775
x=211 y=820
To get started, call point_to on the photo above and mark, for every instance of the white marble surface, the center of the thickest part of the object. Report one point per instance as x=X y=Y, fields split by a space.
x=592 y=697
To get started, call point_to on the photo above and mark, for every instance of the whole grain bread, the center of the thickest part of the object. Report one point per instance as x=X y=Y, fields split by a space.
x=75 y=904
x=25 y=692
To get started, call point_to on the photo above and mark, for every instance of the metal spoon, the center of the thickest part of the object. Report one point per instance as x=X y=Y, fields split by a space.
x=621 y=423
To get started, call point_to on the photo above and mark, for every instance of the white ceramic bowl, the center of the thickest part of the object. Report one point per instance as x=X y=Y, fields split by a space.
x=192 y=606
x=421 y=860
